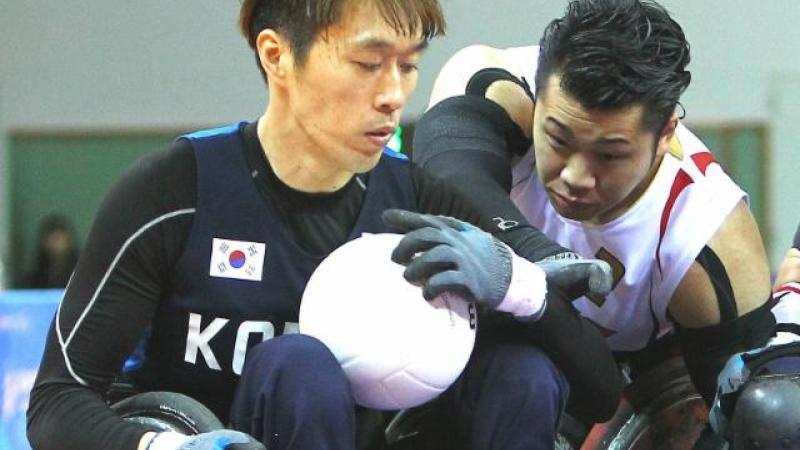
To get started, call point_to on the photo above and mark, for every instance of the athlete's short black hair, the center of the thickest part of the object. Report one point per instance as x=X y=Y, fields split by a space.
x=617 y=53
x=301 y=21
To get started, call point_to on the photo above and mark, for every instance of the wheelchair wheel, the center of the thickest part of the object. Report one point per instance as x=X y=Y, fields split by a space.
x=674 y=421
x=662 y=411
x=168 y=411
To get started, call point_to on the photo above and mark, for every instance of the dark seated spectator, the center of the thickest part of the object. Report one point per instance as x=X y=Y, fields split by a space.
x=56 y=254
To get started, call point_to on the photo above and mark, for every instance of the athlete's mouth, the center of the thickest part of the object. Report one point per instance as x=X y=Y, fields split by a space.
x=568 y=200
x=380 y=136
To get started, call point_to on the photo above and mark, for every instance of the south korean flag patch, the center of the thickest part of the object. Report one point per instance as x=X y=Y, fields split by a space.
x=241 y=260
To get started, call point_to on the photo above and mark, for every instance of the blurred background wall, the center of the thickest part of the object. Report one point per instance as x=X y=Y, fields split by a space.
x=88 y=87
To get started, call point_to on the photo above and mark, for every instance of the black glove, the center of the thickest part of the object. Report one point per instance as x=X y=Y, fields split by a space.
x=213 y=440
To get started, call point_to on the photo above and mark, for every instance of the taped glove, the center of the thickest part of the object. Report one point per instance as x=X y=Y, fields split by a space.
x=444 y=254
x=213 y=440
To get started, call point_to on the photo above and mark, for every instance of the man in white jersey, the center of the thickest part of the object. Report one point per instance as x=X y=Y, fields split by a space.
x=600 y=162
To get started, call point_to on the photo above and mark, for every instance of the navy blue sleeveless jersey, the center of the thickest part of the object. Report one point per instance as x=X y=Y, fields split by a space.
x=241 y=276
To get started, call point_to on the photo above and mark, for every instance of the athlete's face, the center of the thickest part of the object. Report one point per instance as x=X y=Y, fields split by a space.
x=349 y=94
x=593 y=164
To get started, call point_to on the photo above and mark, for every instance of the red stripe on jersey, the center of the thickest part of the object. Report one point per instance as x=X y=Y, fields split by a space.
x=682 y=180
x=703 y=160
x=788 y=288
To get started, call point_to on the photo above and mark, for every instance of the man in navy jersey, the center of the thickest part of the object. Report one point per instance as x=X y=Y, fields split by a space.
x=205 y=249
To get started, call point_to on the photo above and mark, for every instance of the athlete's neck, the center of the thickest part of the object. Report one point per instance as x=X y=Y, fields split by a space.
x=296 y=160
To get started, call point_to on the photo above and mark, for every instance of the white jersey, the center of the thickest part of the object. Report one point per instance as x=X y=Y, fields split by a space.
x=651 y=245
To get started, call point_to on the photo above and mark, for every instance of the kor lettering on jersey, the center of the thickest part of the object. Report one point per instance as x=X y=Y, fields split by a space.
x=198 y=339
x=241 y=260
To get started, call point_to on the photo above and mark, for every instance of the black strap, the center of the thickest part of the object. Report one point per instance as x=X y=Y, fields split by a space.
x=788 y=328
x=722 y=284
x=482 y=79
x=756 y=360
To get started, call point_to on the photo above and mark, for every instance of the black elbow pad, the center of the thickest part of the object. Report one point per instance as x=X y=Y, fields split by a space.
x=707 y=349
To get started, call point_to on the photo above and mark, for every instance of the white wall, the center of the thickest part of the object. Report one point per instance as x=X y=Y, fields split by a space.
x=147 y=63
x=180 y=63
x=784 y=99
x=154 y=63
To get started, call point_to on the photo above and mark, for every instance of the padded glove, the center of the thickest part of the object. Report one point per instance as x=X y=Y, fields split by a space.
x=444 y=254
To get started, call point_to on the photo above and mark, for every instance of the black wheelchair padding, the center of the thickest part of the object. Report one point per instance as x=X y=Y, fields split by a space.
x=168 y=411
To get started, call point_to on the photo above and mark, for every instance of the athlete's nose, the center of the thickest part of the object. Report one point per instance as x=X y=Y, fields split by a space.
x=577 y=174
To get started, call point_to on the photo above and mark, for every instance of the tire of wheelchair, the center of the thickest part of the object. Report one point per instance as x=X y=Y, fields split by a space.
x=662 y=411
x=168 y=411
x=673 y=420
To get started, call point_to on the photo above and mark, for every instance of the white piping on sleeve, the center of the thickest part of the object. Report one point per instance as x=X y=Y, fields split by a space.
x=100 y=286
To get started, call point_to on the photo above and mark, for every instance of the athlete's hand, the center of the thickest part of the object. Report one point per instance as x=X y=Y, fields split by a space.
x=213 y=440
x=576 y=276
x=444 y=254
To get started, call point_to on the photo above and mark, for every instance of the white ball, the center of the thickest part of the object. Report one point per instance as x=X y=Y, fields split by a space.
x=397 y=349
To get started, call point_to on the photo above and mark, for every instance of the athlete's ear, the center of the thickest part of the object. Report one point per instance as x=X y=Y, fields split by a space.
x=666 y=135
x=274 y=55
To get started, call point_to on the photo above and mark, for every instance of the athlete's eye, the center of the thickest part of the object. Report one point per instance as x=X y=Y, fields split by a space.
x=369 y=67
x=408 y=67
x=555 y=141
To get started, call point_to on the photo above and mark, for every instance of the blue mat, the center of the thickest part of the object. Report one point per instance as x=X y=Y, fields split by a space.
x=25 y=318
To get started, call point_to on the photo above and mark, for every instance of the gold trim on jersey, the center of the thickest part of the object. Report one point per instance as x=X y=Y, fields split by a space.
x=675 y=148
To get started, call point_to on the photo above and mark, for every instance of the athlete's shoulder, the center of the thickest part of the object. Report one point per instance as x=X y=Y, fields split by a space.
x=216 y=132
x=156 y=184
x=174 y=163
x=697 y=163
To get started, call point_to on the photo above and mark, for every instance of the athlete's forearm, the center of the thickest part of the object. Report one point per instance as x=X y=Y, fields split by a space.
x=468 y=144
x=581 y=352
x=64 y=417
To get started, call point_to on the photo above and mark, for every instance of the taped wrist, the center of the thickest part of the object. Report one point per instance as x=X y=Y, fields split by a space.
x=479 y=82
x=527 y=291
